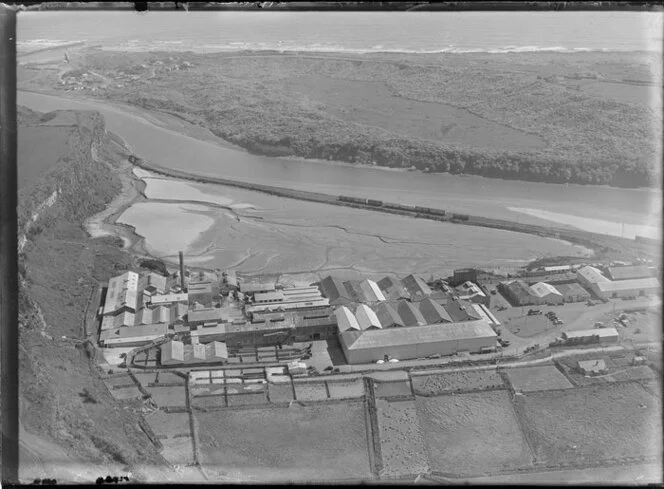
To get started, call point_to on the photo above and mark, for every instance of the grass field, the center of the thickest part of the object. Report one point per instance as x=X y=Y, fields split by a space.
x=346 y=389
x=594 y=423
x=539 y=378
x=39 y=148
x=310 y=391
x=247 y=399
x=209 y=402
x=472 y=433
x=280 y=392
x=433 y=385
x=171 y=396
x=401 y=443
x=125 y=393
x=313 y=443
x=174 y=433
x=392 y=389
x=170 y=378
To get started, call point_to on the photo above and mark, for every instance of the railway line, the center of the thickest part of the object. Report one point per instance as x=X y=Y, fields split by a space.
x=594 y=241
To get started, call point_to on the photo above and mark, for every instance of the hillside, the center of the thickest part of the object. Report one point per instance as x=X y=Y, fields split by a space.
x=586 y=118
x=63 y=401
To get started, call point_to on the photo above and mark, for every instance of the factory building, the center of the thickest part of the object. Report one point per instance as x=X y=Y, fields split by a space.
x=371 y=291
x=433 y=312
x=602 y=287
x=335 y=291
x=544 y=293
x=346 y=320
x=410 y=315
x=483 y=312
x=153 y=283
x=159 y=300
x=462 y=275
x=201 y=295
x=459 y=310
x=392 y=288
x=251 y=289
x=388 y=316
x=416 y=287
x=603 y=336
x=573 y=292
x=517 y=292
x=160 y=314
x=122 y=294
x=371 y=345
x=472 y=292
x=629 y=272
x=204 y=317
x=132 y=336
x=177 y=353
x=366 y=317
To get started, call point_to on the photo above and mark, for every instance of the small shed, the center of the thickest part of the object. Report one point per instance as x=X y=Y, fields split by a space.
x=592 y=367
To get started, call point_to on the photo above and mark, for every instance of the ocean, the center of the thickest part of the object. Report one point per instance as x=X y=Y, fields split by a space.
x=356 y=32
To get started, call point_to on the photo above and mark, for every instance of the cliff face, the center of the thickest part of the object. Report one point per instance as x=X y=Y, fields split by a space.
x=60 y=268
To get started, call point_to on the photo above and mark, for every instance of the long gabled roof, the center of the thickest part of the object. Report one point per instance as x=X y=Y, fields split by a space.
x=346 y=319
x=630 y=272
x=431 y=333
x=635 y=284
x=333 y=288
x=392 y=288
x=371 y=291
x=591 y=274
x=366 y=318
x=434 y=312
x=387 y=315
x=416 y=287
x=410 y=315
x=542 y=289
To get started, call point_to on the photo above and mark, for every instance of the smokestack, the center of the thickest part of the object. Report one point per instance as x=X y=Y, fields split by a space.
x=182 y=272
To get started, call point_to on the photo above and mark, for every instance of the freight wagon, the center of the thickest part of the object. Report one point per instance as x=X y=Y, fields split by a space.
x=460 y=217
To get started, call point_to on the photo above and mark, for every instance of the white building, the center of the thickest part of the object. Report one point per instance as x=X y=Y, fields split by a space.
x=122 y=294
x=546 y=293
x=366 y=318
x=346 y=319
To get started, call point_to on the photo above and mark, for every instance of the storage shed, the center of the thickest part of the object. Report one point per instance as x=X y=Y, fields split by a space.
x=172 y=353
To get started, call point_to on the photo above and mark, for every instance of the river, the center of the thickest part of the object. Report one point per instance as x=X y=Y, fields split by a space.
x=166 y=143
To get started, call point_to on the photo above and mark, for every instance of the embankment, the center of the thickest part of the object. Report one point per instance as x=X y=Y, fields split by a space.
x=59 y=265
x=596 y=242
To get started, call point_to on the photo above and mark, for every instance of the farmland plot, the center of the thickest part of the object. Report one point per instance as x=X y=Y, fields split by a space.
x=599 y=422
x=346 y=389
x=539 y=378
x=145 y=378
x=124 y=393
x=392 y=389
x=172 y=396
x=209 y=402
x=401 y=442
x=310 y=391
x=280 y=392
x=120 y=381
x=472 y=433
x=247 y=399
x=313 y=443
x=433 y=385
x=170 y=378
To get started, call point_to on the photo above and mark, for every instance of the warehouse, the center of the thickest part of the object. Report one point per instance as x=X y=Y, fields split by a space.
x=416 y=287
x=124 y=319
x=517 y=292
x=460 y=311
x=371 y=345
x=433 y=313
x=544 y=293
x=573 y=292
x=388 y=316
x=172 y=353
x=335 y=291
x=392 y=288
x=410 y=315
x=371 y=291
x=122 y=294
x=589 y=276
x=204 y=317
x=153 y=283
x=177 y=353
x=201 y=295
x=366 y=318
x=629 y=273
x=346 y=320
x=250 y=289
x=603 y=336
x=132 y=336
x=157 y=300
x=627 y=288
x=472 y=292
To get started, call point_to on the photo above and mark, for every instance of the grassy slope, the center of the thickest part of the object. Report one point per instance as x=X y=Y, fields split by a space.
x=60 y=266
x=540 y=125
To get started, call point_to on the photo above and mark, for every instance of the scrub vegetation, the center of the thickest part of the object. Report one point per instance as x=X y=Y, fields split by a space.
x=581 y=118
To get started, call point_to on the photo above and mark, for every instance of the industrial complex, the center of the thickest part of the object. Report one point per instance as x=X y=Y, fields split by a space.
x=204 y=317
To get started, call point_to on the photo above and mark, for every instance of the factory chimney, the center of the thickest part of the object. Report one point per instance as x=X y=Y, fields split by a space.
x=182 y=272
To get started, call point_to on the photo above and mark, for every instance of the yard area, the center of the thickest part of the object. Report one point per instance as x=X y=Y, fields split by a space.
x=310 y=391
x=401 y=443
x=434 y=385
x=346 y=389
x=392 y=389
x=599 y=422
x=299 y=444
x=472 y=433
x=538 y=378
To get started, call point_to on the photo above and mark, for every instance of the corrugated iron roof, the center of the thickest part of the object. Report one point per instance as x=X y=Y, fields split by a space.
x=392 y=288
x=626 y=285
x=628 y=273
x=387 y=316
x=346 y=319
x=410 y=315
x=433 y=312
x=366 y=318
x=542 y=289
x=371 y=291
x=394 y=337
x=416 y=287
x=591 y=274
x=333 y=288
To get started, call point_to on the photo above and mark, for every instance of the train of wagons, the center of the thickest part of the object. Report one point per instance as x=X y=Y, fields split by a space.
x=401 y=207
